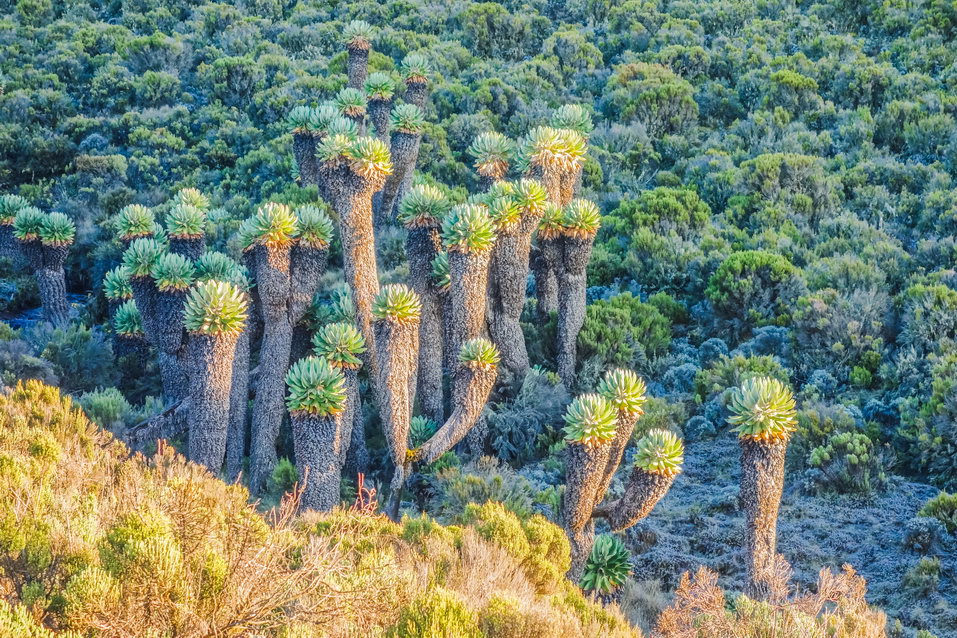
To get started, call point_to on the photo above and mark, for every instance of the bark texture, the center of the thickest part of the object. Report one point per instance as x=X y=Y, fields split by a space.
x=317 y=441
x=9 y=247
x=469 y=272
x=397 y=346
x=169 y=320
x=624 y=427
x=422 y=245
x=643 y=490
x=32 y=253
x=508 y=281
x=471 y=391
x=210 y=389
x=308 y=264
x=52 y=285
x=762 y=482
x=581 y=542
x=569 y=182
x=189 y=247
x=405 y=153
x=584 y=468
x=357 y=66
x=416 y=93
x=357 y=456
x=379 y=111
x=304 y=151
x=544 y=258
x=238 y=407
x=273 y=279
x=572 y=286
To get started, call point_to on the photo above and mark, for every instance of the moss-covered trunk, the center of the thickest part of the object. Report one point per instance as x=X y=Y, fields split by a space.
x=238 y=408
x=379 y=111
x=422 y=245
x=317 y=441
x=572 y=266
x=273 y=278
x=210 y=386
x=762 y=483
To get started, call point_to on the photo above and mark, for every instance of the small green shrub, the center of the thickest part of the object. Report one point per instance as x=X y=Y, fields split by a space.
x=608 y=565
x=943 y=507
x=437 y=613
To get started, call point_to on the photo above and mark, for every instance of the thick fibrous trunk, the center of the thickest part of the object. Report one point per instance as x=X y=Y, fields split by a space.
x=210 y=387
x=308 y=265
x=643 y=490
x=405 y=152
x=584 y=469
x=576 y=251
x=508 y=279
x=9 y=246
x=762 y=482
x=544 y=261
x=357 y=455
x=357 y=66
x=379 y=111
x=422 y=245
x=397 y=348
x=318 y=441
x=173 y=374
x=416 y=93
x=274 y=280
x=569 y=182
x=32 y=253
x=304 y=150
x=169 y=319
x=624 y=427
x=51 y=281
x=189 y=247
x=581 y=542
x=238 y=407
x=351 y=414
x=351 y=197
x=144 y=295
x=128 y=345
x=471 y=389
x=449 y=357
x=469 y=273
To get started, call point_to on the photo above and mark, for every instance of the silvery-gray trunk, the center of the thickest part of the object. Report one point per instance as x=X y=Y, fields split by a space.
x=584 y=467
x=422 y=245
x=304 y=151
x=317 y=441
x=357 y=66
x=508 y=281
x=762 y=483
x=210 y=387
x=357 y=457
x=572 y=286
x=544 y=260
x=397 y=349
x=144 y=295
x=417 y=93
x=624 y=426
x=469 y=288
x=405 y=152
x=52 y=285
x=238 y=408
x=308 y=263
x=643 y=490
x=189 y=247
x=379 y=111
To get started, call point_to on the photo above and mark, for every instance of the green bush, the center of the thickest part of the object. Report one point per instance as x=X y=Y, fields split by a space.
x=943 y=507
x=623 y=331
x=437 y=613
x=848 y=463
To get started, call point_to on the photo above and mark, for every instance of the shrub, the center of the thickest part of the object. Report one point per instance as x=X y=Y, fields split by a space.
x=608 y=565
x=653 y=95
x=848 y=463
x=943 y=507
x=436 y=613
x=107 y=407
x=82 y=357
x=482 y=481
x=521 y=429
x=728 y=372
x=755 y=288
x=623 y=331
x=923 y=578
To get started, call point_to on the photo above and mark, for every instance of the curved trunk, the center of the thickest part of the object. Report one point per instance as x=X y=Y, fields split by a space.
x=762 y=483
x=642 y=492
x=416 y=93
x=469 y=288
x=357 y=66
x=379 y=111
x=351 y=413
x=189 y=247
x=308 y=264
x=624 y=427
x=274 y=280
x=544 y=260
x=238 y=408
x=317 y=441
x=471 y=389
x=422 y=245
x=304 y=151
x=584 y=468
x=576 y=251
x=581 y=542
x=405 y=152
x=210 y=387
x=397 y=347
x=449 y=357
x=508 y=281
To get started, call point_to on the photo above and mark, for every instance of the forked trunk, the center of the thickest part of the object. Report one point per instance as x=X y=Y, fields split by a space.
x=508 y=281
x=624 y=426
x=643 y=490
x=405 y=152
x=584 y=468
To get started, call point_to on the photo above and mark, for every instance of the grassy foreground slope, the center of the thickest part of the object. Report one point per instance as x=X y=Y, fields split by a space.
x=95 y=542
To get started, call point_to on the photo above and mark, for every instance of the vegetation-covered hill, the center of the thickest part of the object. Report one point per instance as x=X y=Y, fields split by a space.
x=774 y=196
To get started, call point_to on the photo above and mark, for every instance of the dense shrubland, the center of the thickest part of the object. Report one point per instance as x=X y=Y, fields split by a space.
x=777 y=200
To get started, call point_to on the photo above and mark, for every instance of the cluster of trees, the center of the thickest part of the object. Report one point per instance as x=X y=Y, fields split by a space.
x=693 y=194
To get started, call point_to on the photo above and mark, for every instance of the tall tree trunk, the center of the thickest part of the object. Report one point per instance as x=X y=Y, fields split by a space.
x=189 y=247
x=357 y=66
x=762 y=483
x=624 y=427
x=357 y=456
x=405 y=152
x=318 y=441
x=210 y=386
x=508 y=281
x=379 y=111
x=469 y=288
x=422 y=245
x=576 y=251
x=643 y=490
x=544 y=260
x=274 y=280
x=417 y=93
x=304 y=150
x=238 y=407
